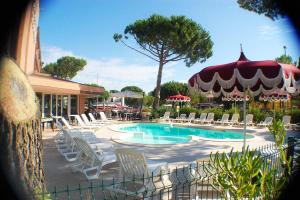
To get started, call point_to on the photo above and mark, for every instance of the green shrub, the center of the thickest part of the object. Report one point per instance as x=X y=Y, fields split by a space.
x=157 y=113
x=258 y=115
x=295 y=116
x=217 y=111
x=188 y=110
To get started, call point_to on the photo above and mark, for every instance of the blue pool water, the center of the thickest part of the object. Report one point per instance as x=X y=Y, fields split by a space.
x=154 y=133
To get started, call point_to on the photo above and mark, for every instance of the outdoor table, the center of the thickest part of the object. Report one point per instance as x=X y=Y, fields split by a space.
x=46 y=120
x=128 y=115
x=70 y=118
x=56 y=118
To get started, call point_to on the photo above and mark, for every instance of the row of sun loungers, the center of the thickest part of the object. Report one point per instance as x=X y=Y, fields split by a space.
x=209 y=119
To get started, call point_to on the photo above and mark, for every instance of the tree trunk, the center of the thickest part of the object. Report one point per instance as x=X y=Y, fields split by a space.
x=21 y=147
x=158 y=83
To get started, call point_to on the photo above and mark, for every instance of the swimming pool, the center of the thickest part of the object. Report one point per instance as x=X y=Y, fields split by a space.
x=155 y=133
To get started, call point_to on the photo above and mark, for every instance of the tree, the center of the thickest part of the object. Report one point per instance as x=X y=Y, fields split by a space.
x=165 y=40
x=105 y=95
x=113 y=91
x=286 y=59
x=132 y=88
x=65 y=67
x=132 y=101
x=172 y=88
x=270 y=8
x=92 y=84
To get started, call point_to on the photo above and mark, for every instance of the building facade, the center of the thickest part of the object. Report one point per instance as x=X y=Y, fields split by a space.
x=57 y=97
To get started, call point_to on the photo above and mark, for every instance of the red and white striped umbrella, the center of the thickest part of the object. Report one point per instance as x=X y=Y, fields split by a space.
x=256 y=77
x=235 y=96
x=245 y=76
x=275 y=96
x=178 y=98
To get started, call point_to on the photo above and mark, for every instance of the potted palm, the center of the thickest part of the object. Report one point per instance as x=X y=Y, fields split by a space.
x=146 y=112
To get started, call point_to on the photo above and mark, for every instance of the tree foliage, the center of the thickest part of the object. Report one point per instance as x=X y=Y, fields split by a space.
x=92 y=84
x=172 y=88
x=165 y=40
x=65 y=67
x=286 y=59
x=131 y=101
x=269 y=8
x=132 y=88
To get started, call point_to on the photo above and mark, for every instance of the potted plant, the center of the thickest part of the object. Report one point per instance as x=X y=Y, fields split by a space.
x=146 y=112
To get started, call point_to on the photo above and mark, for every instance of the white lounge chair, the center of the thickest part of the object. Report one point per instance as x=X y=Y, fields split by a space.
x=224 y=119
x=180 y=118
x=201 y=119
x=166 y=116
x=190 y=118
x=88 y=162
x=210 y=118
x=84 y=125
x=88 y=122
x=286 y=119
x=97 y=120
x=267 y=122
x=104 y=118
x=249 y=120
x=146 y=174
x=234 y=119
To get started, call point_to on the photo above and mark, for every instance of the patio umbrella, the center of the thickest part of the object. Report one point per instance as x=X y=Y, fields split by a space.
x=235 y=96
x=275 y=96
x=178 y=98
x=245 y=76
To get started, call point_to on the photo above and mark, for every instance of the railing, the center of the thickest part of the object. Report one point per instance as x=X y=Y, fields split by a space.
x=190 y=182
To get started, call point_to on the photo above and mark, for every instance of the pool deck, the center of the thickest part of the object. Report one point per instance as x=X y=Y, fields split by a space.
x=57 y=172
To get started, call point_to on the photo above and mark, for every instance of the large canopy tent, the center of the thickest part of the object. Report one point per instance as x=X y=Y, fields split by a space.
x=128 y=94
x=248 y=77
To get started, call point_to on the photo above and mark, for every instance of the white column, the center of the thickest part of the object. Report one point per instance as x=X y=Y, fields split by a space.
x=69 y=105
x=43 y=96
x=123 y=101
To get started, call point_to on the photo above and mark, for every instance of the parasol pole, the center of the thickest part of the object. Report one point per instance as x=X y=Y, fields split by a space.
x=245 y=122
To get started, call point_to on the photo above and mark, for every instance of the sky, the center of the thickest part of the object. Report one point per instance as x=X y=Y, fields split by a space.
x=85 y=29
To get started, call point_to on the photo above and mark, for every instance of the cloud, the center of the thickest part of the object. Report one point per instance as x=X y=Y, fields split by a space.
x=112 y=73
x=267 y=32
x=51 y=54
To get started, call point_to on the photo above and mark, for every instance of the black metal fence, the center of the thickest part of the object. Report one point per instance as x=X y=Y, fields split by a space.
x=194 y=181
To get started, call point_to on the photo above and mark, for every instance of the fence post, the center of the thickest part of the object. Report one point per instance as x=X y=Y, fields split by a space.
x=290 y=150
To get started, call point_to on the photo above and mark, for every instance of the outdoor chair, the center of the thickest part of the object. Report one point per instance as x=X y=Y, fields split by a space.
x=210 y=118
x=180 y=118
x=66 y=147
x=104 y=118
x=249 y=120
x=84 y=125
x=286 y=119
x=224 y=119
x=97 y=120
x=88 y=122
x=166 y=116
x=234 y=119
x=201 y=119
x=190 y=118
x=148 y=177
x=88 y=161
x=267 y=122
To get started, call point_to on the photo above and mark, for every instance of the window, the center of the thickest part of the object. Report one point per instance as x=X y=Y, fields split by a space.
x=73 y=105
x=39 y=96
x=65 y=105
x=54 y=104
x=47 y=106
x=59 y=105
